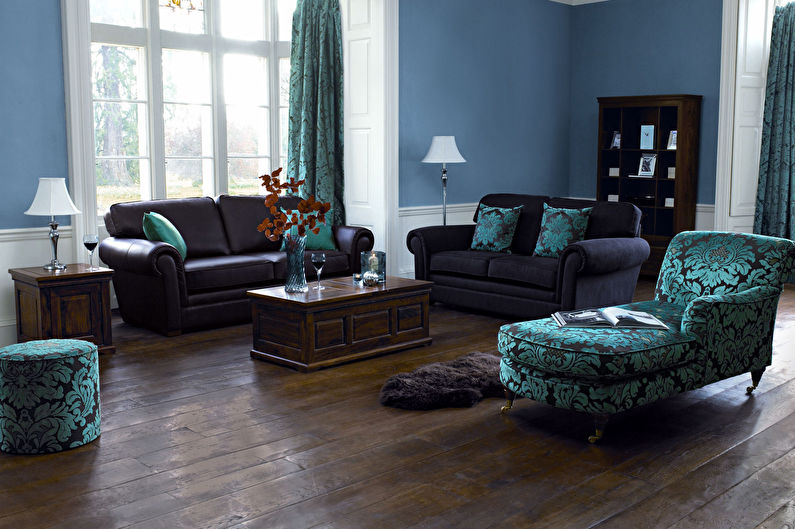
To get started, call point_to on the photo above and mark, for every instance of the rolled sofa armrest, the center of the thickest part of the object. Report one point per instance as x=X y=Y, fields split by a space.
x=706 y=312
x=734 y=331
x=137 y=256
x=353 y=240
x=149 y=281
x=423 y=242
x=602 y=256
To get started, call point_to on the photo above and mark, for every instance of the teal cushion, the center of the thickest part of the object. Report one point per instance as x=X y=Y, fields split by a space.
x=559 y=228
x=159 y=228
x=324 y=240
x=495 y=228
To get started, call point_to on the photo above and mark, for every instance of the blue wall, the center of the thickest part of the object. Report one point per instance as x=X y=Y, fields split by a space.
x=639 y=47
x=496 y=76
x=32 y=112
x=516 y=82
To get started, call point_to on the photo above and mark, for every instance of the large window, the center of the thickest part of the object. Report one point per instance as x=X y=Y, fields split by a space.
x=189 y=97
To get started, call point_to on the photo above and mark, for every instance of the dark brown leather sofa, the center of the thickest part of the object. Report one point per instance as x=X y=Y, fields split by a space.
x=226 y=257
x=600 y=271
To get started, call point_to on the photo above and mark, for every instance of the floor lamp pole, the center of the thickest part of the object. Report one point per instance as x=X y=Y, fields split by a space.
x=444 y=194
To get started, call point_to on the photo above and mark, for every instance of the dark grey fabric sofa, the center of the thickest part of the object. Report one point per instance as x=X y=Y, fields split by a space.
x=599 y=271
x=226 y=257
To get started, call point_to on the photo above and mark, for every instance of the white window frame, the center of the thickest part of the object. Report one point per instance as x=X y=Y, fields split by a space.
x=78 y=34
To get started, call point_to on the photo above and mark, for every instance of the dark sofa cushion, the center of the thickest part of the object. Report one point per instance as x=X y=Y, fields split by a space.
x=531 y=270
x=526 y=234
x=197 y=220
x=336 y=263
x=241 y=216
x=466 y=262
x=208 y=273
x=607 y=219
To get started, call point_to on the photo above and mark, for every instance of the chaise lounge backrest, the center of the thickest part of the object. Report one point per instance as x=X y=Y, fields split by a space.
x=699 y=263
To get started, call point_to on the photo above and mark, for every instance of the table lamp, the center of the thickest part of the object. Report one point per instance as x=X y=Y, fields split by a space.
x=443 y=150
x=52 y=199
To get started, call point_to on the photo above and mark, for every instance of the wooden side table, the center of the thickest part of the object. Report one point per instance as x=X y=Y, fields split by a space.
x=70 y=303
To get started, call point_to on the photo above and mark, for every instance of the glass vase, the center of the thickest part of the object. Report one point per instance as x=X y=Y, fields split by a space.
x=296 y=276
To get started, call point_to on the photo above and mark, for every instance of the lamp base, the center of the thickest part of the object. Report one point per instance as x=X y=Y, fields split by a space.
x=54 y=265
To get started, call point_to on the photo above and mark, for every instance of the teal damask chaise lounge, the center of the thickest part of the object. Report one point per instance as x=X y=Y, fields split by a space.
x=717 y=292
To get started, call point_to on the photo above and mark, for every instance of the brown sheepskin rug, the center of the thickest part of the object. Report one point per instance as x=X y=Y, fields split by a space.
x=459 y=383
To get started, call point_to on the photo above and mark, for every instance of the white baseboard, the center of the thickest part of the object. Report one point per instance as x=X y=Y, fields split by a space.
x=20 y=248
x=410 y=218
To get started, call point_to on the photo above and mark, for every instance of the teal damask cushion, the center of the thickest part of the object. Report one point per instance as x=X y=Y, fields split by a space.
x=495 y=228
x=559 y=228
x=159 y=228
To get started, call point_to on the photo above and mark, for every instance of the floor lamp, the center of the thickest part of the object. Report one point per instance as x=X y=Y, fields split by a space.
x=443 y=150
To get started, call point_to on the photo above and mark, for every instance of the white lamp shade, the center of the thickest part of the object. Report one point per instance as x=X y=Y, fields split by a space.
x=52 y=198
x=443 y=150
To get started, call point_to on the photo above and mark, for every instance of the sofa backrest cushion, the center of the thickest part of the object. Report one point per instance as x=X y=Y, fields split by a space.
x=526 y=234
x=607 y=219
x=241 y=216
x=197 y=220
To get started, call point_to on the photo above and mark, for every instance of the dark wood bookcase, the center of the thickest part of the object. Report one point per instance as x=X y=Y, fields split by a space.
x=666 y=113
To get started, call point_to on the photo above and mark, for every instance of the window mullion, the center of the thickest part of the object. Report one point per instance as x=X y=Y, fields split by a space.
x=221 y=180
x=157 y=137
x=273 y=79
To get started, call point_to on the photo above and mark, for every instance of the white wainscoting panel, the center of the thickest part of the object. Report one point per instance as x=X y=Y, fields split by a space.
x=21 y=248
x=410 y=218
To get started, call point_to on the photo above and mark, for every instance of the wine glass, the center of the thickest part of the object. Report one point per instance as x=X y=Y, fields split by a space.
x=318 y=260
x=90 y=241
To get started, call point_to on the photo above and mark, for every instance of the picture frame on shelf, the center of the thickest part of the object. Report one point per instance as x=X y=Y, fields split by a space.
x=672 y=173
x=672 y=141
x=615 y=143
x=647 y=136
x=613 y=171
x=647 y=164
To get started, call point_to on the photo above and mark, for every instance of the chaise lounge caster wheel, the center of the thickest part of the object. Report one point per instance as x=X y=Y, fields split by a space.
x=509 y=395
x=599 y=421
x=756 y=376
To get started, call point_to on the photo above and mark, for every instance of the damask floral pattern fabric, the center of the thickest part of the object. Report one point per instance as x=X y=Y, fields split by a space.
x=315 y=137
x=599 y=352
x=559 y=228
x=699 y=263
x=49 y=396
x=495 y=228
x=775 y=199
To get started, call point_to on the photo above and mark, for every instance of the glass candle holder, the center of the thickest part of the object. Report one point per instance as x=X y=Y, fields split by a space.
x=374 y=261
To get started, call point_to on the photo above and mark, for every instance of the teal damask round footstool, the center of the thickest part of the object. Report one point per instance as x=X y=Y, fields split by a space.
x=49 y=396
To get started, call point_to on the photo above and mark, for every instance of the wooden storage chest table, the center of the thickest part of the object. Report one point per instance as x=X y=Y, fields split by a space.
x=344 y=322
x=70 y=303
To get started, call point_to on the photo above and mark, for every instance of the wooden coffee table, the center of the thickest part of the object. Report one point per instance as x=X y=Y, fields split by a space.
x=344 y=322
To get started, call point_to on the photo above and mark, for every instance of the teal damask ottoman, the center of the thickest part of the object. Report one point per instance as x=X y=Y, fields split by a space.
x=49 y=396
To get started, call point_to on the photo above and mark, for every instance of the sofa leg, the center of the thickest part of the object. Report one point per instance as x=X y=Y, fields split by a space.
x=599 y=421
x=509 y=395
x=756 y=376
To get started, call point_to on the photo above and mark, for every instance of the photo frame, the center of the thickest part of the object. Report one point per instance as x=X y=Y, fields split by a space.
x=647 y=137
x=672 y=140
x=647 y=164
x=615 y=143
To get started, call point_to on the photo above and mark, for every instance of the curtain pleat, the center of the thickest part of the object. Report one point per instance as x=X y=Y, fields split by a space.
x=775 y=199
x=315 y=134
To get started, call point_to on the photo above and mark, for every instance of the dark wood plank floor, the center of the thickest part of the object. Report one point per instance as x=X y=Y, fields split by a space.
x=196 y=434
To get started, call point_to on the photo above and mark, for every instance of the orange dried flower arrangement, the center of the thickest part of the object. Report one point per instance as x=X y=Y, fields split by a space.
x=308 y=213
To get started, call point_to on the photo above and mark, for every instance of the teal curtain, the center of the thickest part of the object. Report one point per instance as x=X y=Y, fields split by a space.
x=315 y=134
x=775 y=199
